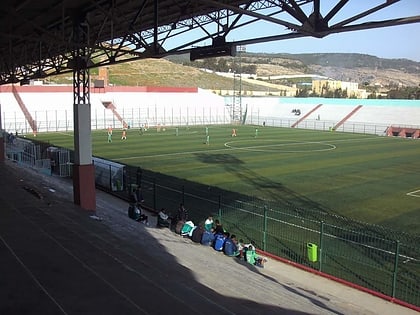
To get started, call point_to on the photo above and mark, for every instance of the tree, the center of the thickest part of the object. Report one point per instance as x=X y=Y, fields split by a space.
x=304 y=92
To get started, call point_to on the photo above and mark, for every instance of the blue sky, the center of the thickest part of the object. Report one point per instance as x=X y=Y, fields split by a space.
x=389 y=42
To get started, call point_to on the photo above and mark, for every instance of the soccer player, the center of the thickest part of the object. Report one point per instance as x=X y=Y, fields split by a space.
x=124 y=135
x=256 y=132
x=109 y=134
x=233 y=132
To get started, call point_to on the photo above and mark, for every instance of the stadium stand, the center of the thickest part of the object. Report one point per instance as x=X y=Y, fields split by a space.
x=52 y=109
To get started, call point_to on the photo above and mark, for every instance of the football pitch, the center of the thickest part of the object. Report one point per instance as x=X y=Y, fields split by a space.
x=368 y=178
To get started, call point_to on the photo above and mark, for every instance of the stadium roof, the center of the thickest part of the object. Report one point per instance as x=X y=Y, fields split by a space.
x=38 y=37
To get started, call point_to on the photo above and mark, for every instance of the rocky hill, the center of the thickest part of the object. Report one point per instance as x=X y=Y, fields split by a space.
x=360 y=68
x=178 y=71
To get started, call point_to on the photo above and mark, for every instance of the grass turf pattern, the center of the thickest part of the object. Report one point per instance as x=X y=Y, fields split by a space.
x=364 y=177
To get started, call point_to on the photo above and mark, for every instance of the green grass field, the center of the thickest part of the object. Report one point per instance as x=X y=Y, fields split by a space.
x=364 y=177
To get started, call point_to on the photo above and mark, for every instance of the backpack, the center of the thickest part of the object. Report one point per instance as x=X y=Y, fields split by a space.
x=187 y=228
x=134 y=212
x=207 y=238
x=131 y=213
x=219 y=241
x=197 y=234
x=230 y=248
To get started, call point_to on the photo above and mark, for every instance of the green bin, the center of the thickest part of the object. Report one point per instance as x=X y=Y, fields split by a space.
x=312 y=252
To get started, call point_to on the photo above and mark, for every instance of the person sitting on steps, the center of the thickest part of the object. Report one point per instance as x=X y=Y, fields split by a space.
x=135 y=213
x=163 y=219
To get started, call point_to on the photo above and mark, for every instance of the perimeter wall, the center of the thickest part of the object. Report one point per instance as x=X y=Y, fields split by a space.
x=52 y=109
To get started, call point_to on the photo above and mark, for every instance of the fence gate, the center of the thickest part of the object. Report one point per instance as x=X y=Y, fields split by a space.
x=64 y=162
x=60 y=161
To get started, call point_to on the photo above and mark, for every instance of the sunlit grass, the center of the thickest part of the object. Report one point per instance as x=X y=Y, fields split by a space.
x=364 y=177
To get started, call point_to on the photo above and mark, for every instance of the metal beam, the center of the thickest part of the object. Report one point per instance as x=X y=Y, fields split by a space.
x=36 y=41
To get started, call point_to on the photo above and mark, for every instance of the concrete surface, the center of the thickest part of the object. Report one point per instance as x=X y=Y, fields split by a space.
x=56 y=258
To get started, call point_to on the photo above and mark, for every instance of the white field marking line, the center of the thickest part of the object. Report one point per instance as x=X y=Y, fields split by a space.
x=208 y=151
x=256 y=148
x=415 y=193
x=169 y=133
x=66 y=134
x=353 y=139
x=215 y=150
x=171 y=154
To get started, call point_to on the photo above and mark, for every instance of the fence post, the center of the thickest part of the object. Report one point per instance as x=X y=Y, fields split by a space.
x=265 y=229
x=321 y=240
x=394 y=278
x=139 y=173
x=154 y=194
x=183 y=195
x=220 y=206
x=110 y=178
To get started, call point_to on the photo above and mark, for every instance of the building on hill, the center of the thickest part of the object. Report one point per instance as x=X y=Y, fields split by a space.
x=348 y=89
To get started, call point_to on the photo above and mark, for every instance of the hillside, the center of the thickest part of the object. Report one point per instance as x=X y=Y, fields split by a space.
x=161 y=72
x=178 y=71
x=360 y=68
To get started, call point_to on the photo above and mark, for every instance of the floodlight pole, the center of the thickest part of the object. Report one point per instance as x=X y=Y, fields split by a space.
x=2 y=157
x=237 y=110
x=240 y=50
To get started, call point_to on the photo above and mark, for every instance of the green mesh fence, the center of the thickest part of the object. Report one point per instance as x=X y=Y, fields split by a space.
x=371 y=256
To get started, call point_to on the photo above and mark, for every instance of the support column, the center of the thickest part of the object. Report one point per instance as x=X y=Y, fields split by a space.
x=2 y=151
x=84 y=193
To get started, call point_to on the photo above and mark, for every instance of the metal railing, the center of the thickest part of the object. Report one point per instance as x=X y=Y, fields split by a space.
x=380 y=259
x=377 y=258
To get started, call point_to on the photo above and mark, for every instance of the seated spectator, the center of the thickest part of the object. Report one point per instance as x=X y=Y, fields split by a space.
x=208 y=237
x=231 y=248
x=178 y=226
x=135 y=213
x=218 y=228
x=136 y=196
x=253 y=258
x=182 y=213
x=240 y=245
x=197 y=234
x=163 y=219
x=245 y=248
x=219 y=241
x=208 y=224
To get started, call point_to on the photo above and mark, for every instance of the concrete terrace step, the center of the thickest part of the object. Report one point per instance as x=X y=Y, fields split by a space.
x=59 y=259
